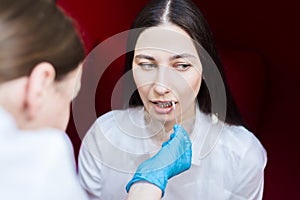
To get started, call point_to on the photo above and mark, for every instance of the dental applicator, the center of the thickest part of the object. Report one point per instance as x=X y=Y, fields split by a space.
x=174 y=107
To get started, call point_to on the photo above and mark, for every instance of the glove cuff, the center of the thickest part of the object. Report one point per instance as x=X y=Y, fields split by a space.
x=159 y=182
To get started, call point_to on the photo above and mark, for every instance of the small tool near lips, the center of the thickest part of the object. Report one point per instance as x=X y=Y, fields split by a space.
x=174 y=107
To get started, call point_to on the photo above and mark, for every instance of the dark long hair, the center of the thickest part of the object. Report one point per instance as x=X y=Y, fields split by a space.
x=34 y=31
x=186 y=15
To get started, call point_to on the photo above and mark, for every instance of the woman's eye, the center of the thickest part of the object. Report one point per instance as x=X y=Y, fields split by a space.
x=182 y=66
x=147 y=65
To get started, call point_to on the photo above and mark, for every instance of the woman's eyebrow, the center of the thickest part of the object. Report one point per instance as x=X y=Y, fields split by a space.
x=184 y=55
x=178 y=56
x=143 y=56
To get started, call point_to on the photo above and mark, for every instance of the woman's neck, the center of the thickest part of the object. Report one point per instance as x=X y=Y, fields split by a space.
x=187 y=121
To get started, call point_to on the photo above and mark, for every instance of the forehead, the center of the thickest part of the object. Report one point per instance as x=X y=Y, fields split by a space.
x=167 y=37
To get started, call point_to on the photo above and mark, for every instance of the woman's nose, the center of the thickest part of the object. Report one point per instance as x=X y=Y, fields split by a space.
x=161 y=89
x=161 y=83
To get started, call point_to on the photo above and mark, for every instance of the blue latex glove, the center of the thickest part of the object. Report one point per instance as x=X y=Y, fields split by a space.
x=172 y=159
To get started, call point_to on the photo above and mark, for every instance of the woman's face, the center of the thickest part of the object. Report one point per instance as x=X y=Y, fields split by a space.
x=166 y=68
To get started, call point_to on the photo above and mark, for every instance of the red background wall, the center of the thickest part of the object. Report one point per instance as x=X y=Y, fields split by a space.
x=269 y=32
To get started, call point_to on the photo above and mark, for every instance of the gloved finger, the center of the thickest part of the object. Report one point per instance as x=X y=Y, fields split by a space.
x=181 y=136
x=175 y=126
x=182 y=139
x=180 y=133
x=165 y=143
x=172 y=136
x=168 y=141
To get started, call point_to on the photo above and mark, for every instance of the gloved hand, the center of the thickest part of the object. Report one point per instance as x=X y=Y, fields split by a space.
x=172 y=159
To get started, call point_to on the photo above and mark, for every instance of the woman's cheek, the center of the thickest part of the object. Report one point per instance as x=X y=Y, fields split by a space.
x=189 y=87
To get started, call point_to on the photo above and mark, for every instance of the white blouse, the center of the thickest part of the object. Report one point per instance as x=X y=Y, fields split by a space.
x=227 y=161
x=36 y=165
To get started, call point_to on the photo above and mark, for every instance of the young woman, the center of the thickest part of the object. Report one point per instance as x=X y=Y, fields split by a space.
x=173 y=62
x=40 y=70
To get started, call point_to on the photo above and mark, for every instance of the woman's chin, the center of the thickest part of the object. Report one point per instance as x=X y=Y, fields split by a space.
x=161 y=115
x=163 y=119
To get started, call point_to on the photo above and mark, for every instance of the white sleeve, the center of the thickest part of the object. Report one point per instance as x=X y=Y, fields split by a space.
x=250 y=174
x=61 y=180
x=89 y=173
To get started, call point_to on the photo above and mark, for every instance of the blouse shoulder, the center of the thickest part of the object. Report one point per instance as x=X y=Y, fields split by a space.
x=249 y=162
x=245 y=145
x=116 y=127
x=114 y=135
x=116 y=120
x=108 y=121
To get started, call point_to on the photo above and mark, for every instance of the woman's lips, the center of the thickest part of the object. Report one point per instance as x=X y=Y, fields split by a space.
x=163 y=107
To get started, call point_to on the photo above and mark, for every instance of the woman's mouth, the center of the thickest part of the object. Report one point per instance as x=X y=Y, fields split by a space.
x=163 y=107
x=164 y=104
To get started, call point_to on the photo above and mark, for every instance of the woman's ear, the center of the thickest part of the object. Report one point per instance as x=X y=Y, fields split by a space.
x=40 y=82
